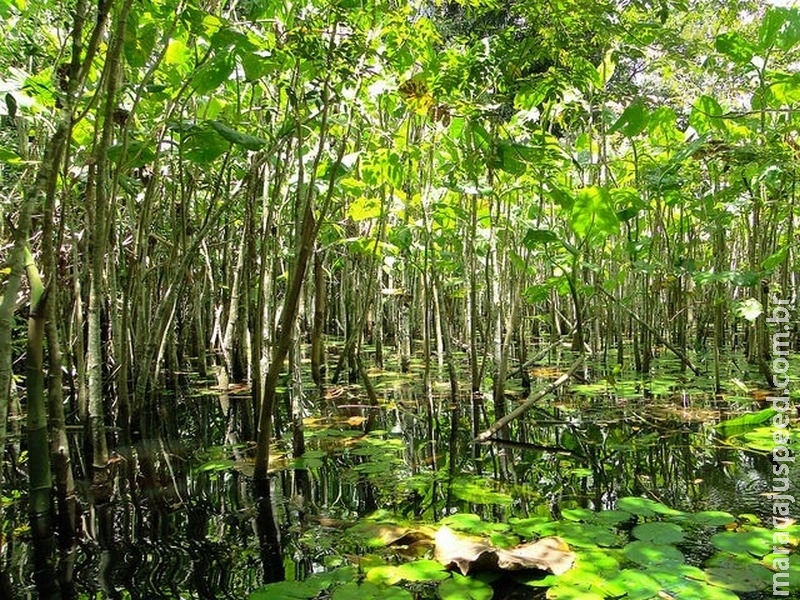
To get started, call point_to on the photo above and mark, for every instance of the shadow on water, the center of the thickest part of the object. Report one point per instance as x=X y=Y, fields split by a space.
x=196 y=526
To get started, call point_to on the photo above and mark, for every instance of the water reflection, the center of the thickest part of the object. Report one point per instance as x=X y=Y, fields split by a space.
x=181 y=525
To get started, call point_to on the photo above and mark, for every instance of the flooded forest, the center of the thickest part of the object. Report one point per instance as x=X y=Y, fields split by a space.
x=368 y=299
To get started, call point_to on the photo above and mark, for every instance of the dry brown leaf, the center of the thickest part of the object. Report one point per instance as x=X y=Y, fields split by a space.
x=452 y=549
x=468 y=553
x=547 y=554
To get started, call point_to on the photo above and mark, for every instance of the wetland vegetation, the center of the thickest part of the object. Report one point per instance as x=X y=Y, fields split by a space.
x=362 y=299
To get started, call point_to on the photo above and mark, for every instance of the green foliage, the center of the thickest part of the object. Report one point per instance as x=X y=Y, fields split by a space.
x=369 y=591
x=460 y=587
x=474 y=489
x=666 y=533
x=647 y=553
x=415 y=571
x=744 y=423
x=593 y=214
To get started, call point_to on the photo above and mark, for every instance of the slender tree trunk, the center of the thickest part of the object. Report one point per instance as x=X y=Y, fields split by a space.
x=318 y=326
x=234 y=308
x=40 y=479
x=99 y=227
x=59 y=443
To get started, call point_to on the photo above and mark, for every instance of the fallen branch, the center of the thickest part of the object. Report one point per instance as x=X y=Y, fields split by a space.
x=540 y=355
x=530 y=402
x=684 y=359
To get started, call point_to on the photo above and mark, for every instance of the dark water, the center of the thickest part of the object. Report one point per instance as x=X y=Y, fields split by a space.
x=191 y=533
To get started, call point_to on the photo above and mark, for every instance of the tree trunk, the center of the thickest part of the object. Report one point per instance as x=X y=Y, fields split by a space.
x=39 y=475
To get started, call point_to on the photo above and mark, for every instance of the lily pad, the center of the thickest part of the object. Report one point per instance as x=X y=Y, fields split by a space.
x=645 y=507
x=740 y=578
x=471 y=523
x=529 y=528
x=712 y=518
x=577 y=514
x=612 y=517
x=687 y=583
x=648 y=553
x=757 y=542
x=564 y=591
x=418 y=570
x=743 y=423
x=369 y=591
x=422 y=570
x=464 y=588
x=583 y=535
x=290 y=590
x=659 y=532
x=639 y=585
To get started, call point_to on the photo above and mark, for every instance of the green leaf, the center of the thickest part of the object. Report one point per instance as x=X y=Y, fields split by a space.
x=733 y=573
x=178 y=53
x=770 y=27
x=687 y=583
x=510 y=157
x=11 y=105
x=749 y=309
x=464 y=588
x=666 y=533
x=137 y=154
x=639 y=585
x=353 y=591
x=9 y=157
x=369 y=591
x=289 y=590
x=735 y=47
x=240 y=139
x=773 y=260
x=649 y=553
x=534 y=237
x=612 y=517
x=662 y=126
x=478 y=490
x=606 y=69
x=577 y=514
x=140 y=38
x=628 y=202
x=419 y=570
x=422 y=570
x=776 y=562
x=633 y=120
x=583 y=535
x=743 y=423
x=757 y=541
x=364 y=208
x=256 y=66
x=472 y=523
x=789 y=33
x=203 y=145
x=213 y=73
x=705 y=115
x=712 y=518
x=593 y=213
x=563 y=591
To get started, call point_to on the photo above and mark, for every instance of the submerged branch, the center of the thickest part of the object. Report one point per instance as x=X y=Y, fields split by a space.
x=528 y=404
x=540 y=355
